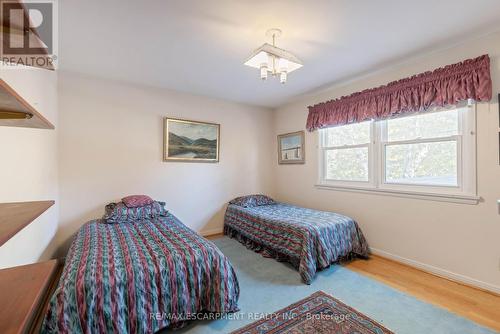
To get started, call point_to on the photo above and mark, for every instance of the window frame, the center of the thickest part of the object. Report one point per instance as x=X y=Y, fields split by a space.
x=464 y=192
x=346 y=183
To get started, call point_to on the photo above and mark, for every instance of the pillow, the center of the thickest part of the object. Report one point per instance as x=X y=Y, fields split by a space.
x=135 y=201
x=251 y=201
x=120 y=213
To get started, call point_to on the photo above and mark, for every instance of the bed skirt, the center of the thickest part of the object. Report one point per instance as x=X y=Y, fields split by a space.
x=260 y=248
x=281 y=257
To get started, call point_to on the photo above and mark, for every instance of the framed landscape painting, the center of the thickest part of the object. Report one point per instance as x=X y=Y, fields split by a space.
x=193 y=141
x=291 y=148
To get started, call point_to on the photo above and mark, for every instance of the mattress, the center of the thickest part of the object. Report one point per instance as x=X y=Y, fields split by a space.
x=139 y=277
x=309 y=239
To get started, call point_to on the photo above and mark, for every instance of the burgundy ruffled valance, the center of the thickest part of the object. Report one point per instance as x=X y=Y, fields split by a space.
x=470 y=79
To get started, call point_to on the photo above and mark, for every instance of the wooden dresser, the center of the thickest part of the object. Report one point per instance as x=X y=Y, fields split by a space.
x=24 y=293
x=24 y=290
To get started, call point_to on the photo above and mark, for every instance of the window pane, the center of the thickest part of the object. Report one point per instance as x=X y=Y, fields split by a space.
x=352 y=134
x=349 y=164
x=433 y=125
x=422 y=163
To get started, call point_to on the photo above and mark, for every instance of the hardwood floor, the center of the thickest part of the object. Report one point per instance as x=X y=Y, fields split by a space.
x=477 y=305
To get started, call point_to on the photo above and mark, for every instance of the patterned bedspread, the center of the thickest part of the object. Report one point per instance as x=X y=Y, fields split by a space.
x=138 y=278
x=309 y=239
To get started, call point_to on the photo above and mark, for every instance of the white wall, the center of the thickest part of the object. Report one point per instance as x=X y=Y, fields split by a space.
x=462 y=241
x=110 y=144
x=28 y=167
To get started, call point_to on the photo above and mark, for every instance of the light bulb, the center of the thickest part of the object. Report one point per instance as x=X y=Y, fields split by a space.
x=263 y=71
x=283 y=76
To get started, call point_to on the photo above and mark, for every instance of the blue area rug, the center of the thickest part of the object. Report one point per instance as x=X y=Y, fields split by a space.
x=267 y=286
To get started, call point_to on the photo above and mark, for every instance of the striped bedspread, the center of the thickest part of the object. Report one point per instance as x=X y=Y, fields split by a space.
x=309 y=239
x=138 y=278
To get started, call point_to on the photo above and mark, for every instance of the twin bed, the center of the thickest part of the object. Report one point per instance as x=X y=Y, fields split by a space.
x=142 y=275
x=139 y=277
x=308 y=239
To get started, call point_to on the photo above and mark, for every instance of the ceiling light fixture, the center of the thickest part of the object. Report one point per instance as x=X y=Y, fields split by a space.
x=271 y=59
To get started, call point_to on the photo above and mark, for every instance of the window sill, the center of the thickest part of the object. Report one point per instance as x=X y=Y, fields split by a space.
x=462 y=199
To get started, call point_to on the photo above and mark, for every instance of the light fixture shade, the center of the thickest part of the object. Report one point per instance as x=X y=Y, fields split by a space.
x=283 y=77
x=263 y=71
x=287 y=61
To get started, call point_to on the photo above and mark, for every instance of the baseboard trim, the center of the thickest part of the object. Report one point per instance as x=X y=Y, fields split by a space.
x=210 y=232
x=457 y=278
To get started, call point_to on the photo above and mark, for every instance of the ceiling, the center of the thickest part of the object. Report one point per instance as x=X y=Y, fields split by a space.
x=199 y=46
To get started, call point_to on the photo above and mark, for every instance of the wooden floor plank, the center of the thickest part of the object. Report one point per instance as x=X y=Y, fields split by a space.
x=477 y=305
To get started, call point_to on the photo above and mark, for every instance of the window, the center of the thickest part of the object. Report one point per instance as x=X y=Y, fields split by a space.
x=346 y=152
x=422 y=149
x=431 y=154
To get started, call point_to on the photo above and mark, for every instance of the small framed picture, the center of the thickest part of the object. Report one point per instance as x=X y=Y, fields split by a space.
x=291 y=148
x=192 y=141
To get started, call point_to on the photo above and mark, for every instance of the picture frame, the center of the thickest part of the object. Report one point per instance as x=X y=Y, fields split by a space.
x=291 y=148
x=190 y=141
